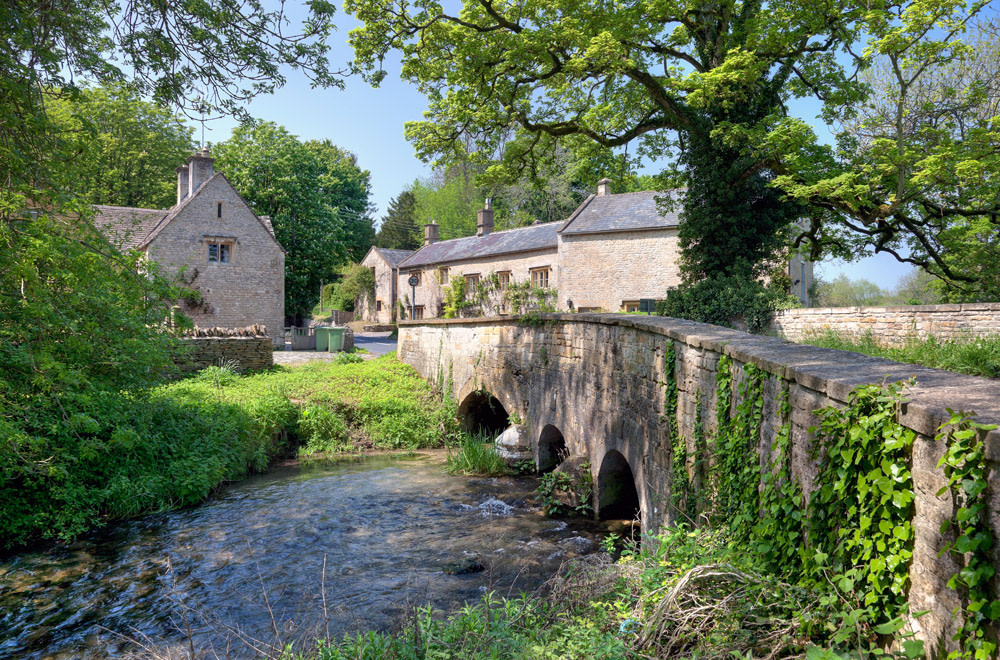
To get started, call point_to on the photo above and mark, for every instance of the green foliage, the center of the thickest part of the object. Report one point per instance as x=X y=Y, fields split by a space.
x=455 y=302
x=735 y=447
x=680 y=488
x=975 y=355
x=915 y=288
x=723 y=300
x=562 y=494
x=323 y=429
x=315 y=194
x=126 y=149
x=475 y=454
x=399 y=230
x=356 y=282
x=860 y=527
x=966 y=468
x=116 y=454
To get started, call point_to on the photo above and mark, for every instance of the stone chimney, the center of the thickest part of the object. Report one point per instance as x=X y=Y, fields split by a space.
x=182 y=183
x=199 y=168
x=430 y=233
x=484 y=219
x=602 y=186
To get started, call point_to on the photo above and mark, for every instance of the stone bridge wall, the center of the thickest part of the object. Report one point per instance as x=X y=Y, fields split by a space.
x=892 y=325
x=599 y=379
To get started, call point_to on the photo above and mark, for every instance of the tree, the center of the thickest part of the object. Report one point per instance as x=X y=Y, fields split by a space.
x=124 y=149
x=345 y=187
x=705 y=85
x=842 y=291
x=281 y=177
x=399 y=224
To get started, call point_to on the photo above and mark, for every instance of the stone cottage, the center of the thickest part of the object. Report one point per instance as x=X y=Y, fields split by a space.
x=384 y=264
x=214 y=242
x=516 y=255
x=612 y=252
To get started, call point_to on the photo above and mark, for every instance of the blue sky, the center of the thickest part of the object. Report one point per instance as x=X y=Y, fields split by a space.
x=369 y=122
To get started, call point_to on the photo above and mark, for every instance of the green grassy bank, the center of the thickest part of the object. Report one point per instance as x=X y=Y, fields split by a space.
x=977 y=356
x=124 y=454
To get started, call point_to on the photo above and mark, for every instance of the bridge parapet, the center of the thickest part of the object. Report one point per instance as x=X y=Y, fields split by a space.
x=598 y=381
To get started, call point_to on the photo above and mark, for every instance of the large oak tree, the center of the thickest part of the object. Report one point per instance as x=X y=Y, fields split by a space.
x=703 y=87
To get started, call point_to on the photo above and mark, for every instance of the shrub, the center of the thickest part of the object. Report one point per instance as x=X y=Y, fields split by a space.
x=721 y=300
x=323 y=430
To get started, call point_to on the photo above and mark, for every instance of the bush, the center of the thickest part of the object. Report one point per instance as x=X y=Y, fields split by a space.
x=721 y=301
x=324 y=431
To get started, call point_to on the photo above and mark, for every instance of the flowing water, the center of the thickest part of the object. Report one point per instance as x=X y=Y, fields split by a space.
x=249 y=564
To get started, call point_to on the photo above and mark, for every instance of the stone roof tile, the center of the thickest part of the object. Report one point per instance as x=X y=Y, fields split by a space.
x=623 y=212
x=522 y=239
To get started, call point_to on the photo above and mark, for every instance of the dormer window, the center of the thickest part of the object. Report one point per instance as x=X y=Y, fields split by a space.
x=218 y=210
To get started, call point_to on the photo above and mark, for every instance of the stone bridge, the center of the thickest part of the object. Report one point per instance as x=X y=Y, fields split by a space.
x=594 y=385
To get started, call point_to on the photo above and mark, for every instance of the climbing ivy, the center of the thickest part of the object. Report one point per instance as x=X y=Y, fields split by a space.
x=723 y=381
x=860 y=527
x=680 y=487
x=778 y=532
x=738 y=473
x=965 y=466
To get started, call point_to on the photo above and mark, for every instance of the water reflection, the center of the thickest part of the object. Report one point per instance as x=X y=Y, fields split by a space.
x=250 y=563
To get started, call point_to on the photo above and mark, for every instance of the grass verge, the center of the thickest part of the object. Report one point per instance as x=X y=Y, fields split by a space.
x=124 y=454
x=977 y=356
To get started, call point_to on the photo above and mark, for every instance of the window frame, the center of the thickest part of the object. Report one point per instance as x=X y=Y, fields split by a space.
x=471 y=280
x=626 y=304
x=443 y=275
x=223 y=248
x=218 y=209
x=418 y=313
x=536 y=273
x=503 y=279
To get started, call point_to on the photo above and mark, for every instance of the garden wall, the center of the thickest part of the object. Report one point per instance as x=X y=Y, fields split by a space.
x=890 y=325
x=601 y=381
x=249 y=353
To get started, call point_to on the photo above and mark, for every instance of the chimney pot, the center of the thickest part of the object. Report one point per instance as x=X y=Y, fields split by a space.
x=602 y=186
x=430 y=233
x=200 y=169
x=484 y=219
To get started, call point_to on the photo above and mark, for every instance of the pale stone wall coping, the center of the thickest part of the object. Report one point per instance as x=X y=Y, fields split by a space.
x=833 y=372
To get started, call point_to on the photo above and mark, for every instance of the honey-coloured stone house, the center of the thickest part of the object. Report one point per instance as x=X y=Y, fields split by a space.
x=384 y=264
x=214 y=242
x=612 y=252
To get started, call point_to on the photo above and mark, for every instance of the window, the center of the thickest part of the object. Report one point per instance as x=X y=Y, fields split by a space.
x=378 y=305
x=471 y=280
x=540 y=278
x=443 y=274
x=629 y=306
x=218 y=210
x=219 y=252
x=418 y=312
x=503 y=279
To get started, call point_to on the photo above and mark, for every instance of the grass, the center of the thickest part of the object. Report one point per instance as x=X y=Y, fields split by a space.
x=977 y=356
x=475 y=454
x=126 y=454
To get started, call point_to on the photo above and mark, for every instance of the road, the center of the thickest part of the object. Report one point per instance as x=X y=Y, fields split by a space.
x=377 y=343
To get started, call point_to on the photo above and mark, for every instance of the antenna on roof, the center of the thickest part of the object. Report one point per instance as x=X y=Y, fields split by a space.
x=201 y=109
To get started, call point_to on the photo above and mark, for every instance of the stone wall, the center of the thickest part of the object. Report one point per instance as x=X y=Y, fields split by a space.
x=430 y=292
x=600 y=272
x=250 y=289
x=249 y=353
x=890 y=325
x=600 y=380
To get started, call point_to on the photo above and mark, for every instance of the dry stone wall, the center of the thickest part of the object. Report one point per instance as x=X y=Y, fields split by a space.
x=601 y=381
x=890 y=325
x=249 y=353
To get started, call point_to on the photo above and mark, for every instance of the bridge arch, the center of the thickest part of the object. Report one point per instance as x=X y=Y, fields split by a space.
x=552 y=448
x=616 y=493
x=482 y=412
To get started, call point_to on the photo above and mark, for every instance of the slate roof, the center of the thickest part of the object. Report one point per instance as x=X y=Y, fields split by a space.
x=128 y=226
x=622 y=212
x=136 y=228
x=394 y=256
x=522 y=239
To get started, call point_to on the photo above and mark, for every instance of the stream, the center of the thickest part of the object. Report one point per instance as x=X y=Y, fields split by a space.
x=245 y=570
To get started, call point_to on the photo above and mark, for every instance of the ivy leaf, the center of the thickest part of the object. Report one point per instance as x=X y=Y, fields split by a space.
x=889 y=627
x=913 y=648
